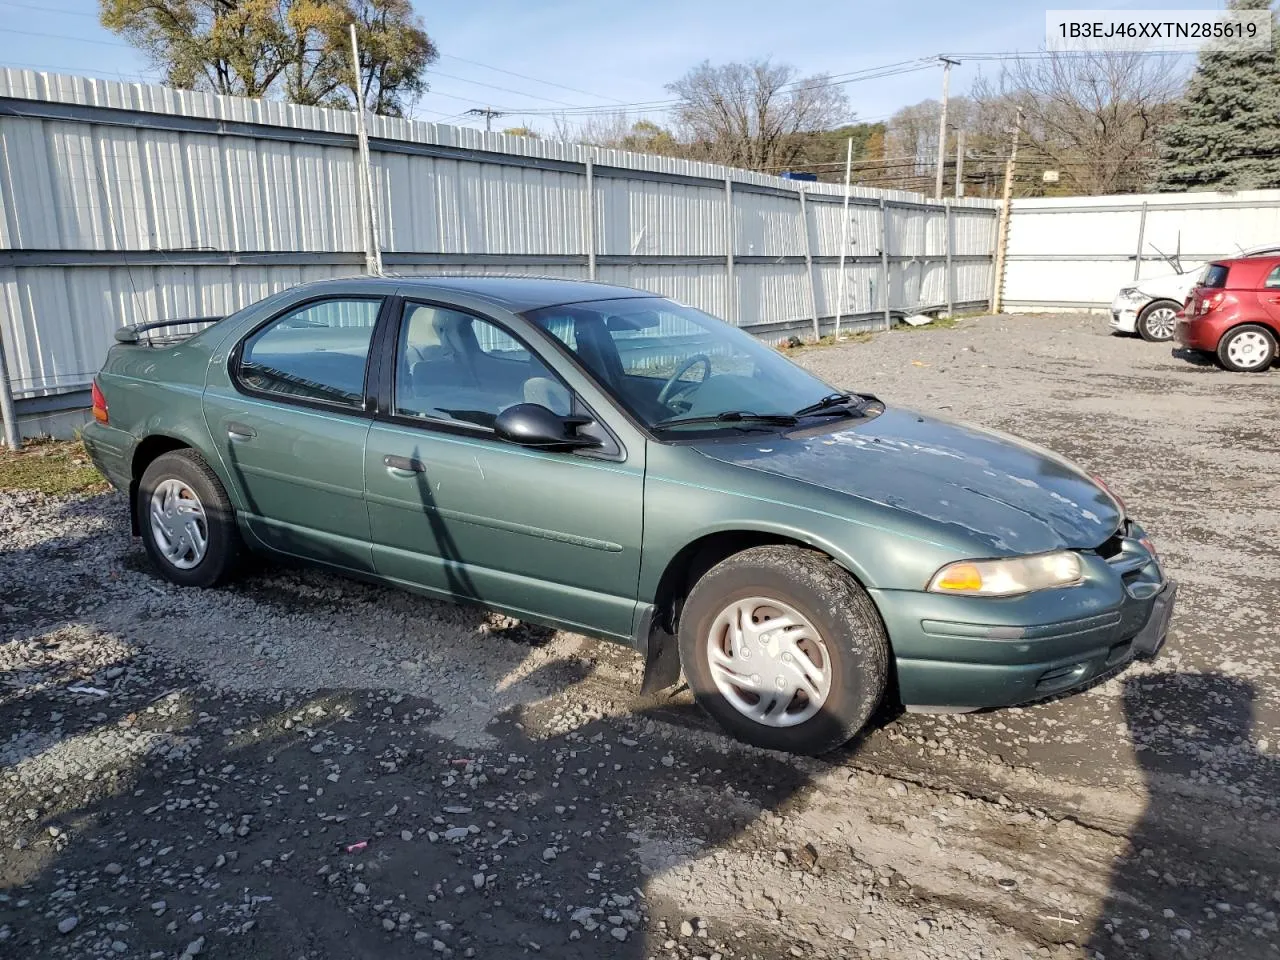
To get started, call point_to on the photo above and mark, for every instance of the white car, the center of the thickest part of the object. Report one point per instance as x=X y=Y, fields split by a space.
x=1147 y=307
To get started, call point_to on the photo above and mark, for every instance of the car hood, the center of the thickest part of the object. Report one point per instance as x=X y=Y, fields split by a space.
x=1014 y=496
x=1170 y=286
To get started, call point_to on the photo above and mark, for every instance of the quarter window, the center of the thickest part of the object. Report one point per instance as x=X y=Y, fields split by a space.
x=1273 y=279
x=317 y=352
x=453 y=366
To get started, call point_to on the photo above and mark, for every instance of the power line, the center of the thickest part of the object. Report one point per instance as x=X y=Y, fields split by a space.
x=874 y=73
x=522 y=93
x=522 y=76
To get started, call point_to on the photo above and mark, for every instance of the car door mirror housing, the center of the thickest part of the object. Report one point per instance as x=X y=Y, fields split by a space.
x=533 y=425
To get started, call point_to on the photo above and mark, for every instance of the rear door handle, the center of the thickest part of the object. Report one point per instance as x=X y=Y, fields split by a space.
x=238 y=432
x=403 y=466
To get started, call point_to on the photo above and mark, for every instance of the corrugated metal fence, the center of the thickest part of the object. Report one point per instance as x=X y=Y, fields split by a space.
x=1076 y=252
x=123 y=203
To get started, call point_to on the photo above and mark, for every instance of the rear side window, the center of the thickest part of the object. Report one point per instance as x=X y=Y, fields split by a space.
x=316 y=352
x=1214 y=276
x=1273 y=279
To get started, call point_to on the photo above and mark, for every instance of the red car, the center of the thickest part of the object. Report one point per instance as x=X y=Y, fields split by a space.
x=1234 y=313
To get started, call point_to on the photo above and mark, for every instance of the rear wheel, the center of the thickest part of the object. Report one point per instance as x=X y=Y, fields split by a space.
x=188 y=526
x=1156 y=322
x=1247 y=349
x=784 y=649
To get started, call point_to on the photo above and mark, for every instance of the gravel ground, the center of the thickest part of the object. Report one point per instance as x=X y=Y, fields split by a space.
x=302 y=766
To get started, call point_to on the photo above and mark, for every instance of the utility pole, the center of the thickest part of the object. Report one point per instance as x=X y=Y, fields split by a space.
x=844 y=237
x=947 y=64
x=488 y=113
x=960 y=162
x=372 y=252
x=1002 y=239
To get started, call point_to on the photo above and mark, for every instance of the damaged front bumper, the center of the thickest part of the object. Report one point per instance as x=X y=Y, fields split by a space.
x=967 y=653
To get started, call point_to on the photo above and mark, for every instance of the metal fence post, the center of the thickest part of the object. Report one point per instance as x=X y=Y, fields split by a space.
x=884 y=262
x=12 y=436
x=1142 y=229
x=808 y=263
x=731 y=291
x=948 y=237
x=591 y=220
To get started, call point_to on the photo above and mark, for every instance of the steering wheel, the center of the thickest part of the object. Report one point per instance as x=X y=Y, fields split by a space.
x=669 y=387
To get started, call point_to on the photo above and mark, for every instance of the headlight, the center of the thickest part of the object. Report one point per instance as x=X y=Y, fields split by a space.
x=1008 y=577
x=1128 y=292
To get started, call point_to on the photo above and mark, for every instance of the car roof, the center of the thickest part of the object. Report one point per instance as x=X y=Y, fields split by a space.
x=518 y=293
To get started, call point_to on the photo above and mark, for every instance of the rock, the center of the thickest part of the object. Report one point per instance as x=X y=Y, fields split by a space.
x=477 y=879
x=360 y=889
x=113 y=869
x=405 y=835
x=388 y=924
x=194 y=947
x=67 y=924
x=456 y=833
x=686 y=929
x=848 y=933
x=549 y=854
x=618 y=933
x=421 y=936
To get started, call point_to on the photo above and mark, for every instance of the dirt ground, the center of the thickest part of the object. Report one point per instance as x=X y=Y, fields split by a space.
x=301 y=766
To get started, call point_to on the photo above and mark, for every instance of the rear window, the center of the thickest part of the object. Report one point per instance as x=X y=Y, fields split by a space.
x=1214 y=276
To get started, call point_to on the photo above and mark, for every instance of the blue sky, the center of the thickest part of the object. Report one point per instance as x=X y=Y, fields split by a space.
x=615 y=52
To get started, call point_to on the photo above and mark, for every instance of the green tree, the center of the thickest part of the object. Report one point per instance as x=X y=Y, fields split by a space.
x=295 y=49
x=1227 y=134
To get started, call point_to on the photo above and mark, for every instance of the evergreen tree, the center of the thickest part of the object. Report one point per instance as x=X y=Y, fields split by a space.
x=1227 y=135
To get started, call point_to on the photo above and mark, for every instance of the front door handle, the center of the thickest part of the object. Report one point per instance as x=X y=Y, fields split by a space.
x=403 y=466
x=238 y=432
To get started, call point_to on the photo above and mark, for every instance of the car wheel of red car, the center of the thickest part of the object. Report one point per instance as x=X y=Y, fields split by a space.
x=1247 y=349
x=1156 y=322
x=784 y=648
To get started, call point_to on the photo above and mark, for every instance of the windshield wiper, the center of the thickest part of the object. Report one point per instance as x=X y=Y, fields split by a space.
x=835 y=404
x=730 y=418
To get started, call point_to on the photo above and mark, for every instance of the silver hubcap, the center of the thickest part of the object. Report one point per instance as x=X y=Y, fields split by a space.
x=769 y=662
x=1160 y=323
x=178 y=524
x=1248 y=349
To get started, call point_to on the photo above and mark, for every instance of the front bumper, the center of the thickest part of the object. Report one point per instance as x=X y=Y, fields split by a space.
x=1124 y=317
x=971 y=652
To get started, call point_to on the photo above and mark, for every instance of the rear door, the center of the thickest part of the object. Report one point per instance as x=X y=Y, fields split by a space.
x=1269 y=296
x=289 y=418
x=459 y=513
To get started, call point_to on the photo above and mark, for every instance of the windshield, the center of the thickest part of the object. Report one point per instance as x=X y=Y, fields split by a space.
x=668 y=363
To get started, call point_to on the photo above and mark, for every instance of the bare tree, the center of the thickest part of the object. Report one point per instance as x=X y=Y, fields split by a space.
x=752 y=114
x=1095 y=117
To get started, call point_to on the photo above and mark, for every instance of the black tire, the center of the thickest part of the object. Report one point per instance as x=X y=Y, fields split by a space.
x=833 y=602
x=1149 y=320
x=223 y=538
x=1251 y=330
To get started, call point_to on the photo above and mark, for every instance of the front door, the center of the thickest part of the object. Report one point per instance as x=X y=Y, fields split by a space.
x=289 y=422
x=454 y=510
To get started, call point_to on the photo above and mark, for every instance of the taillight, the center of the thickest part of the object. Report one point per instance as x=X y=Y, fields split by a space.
x=1211 y=303
x=99 y=404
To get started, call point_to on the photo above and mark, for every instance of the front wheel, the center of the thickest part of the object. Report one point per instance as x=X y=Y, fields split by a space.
x=785 y=649
x=186 y=520
x=1247 y=349
x=1158 y=321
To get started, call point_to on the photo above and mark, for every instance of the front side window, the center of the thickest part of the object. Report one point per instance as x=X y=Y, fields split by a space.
x=453 y=366
x=666 y=362
x=317 y=352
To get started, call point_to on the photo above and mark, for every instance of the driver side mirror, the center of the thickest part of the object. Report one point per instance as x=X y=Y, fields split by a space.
x=533 y=425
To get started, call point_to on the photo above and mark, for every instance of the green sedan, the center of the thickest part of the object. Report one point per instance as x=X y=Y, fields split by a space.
x=602 y=460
